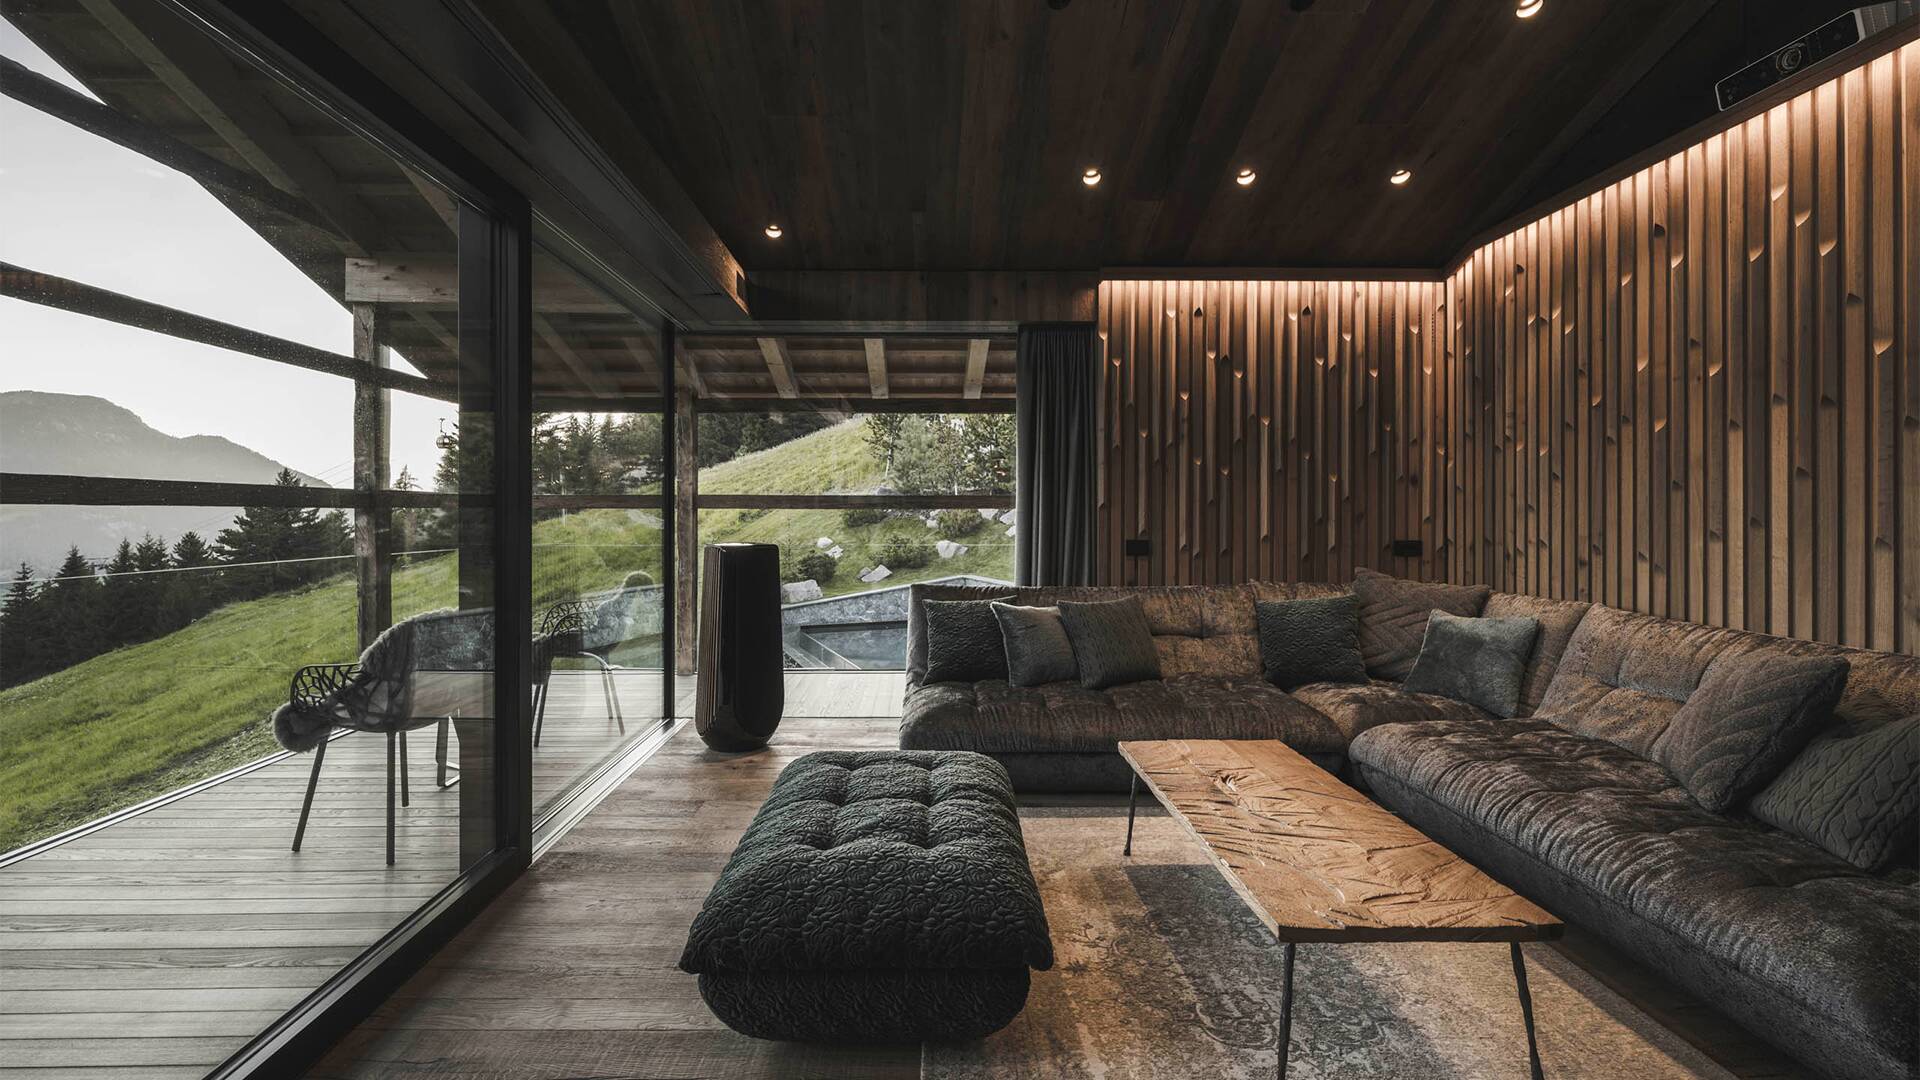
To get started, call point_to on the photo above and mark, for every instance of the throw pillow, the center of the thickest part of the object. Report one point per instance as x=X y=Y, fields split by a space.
x=1308 y=641
x=963 y=640
x=1855 y=792
x=1479 y=661
x=1112 y=642
x=1751 y=714
x=1038 y=651
x=1393 y=617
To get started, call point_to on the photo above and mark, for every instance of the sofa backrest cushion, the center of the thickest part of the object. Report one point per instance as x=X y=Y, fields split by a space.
x=1197 y=629
x=1558 y=620
x=1625 y=674
x=1393 y=617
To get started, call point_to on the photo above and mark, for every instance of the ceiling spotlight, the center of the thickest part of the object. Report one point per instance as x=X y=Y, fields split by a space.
x=1090 y=177
x=774 y=231
x=1244 y=177
x=1400 y=176
x=1527 y=9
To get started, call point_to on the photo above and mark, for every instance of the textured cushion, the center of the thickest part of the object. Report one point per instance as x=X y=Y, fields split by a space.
x=1609 y=830
x=963 y=641
x=1624 y=675
x=993 y=717
x=1558 y=620
x=1197 y=629
x=1037 y=647
x=1855 y=793
x=1309 y=641
x=1354 y=708
x=1393 y=617
x=877 y=860
x=1478 y=660
x=1750 y=716
x=1112 y=642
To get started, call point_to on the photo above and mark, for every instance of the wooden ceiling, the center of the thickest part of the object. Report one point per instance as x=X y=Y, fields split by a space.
x=934 y=135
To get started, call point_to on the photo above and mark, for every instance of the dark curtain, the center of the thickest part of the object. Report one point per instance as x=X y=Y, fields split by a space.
x=1057 y=390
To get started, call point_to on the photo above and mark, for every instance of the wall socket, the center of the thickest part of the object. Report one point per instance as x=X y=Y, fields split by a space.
x=1137 y=548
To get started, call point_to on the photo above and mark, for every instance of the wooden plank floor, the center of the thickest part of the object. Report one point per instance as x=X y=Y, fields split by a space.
x=571 y=973
x=159 y=945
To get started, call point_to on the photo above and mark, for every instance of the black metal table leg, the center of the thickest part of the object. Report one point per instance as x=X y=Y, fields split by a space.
x=1526 y=1011
x=1133 y=796
x=1285 y=1035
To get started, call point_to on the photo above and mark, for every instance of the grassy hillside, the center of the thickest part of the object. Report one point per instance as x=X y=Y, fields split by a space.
x=148 y=718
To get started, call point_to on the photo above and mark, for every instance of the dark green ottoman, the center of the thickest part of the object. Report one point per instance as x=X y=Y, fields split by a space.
x=877 y=897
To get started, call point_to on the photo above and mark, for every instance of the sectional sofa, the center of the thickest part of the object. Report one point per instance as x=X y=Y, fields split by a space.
x=1564 y=801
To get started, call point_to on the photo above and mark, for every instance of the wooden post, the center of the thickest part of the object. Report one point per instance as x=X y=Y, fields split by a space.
x=686 y=530
x=372 y=519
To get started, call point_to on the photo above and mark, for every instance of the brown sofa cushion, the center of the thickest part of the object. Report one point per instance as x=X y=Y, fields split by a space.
x=1624 y=675
x=1558 y=620
x=1483 y=661
x=1393 y=617
x=1355 y=707
x=995 y=718
x=1112 y=642
x=1750 y=715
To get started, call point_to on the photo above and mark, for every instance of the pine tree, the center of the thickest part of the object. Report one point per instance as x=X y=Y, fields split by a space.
x=121 y=619
x=406 y=520
x=195 y=587
x=23 y=631
x=74 y=620
x=267 y=544
x=150 y=559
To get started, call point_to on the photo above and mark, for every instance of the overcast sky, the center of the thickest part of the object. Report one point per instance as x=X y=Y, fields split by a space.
x=78 y=206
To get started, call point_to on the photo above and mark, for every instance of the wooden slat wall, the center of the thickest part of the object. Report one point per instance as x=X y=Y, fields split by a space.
x=1703 y=381
x=1695 y=392
x=1281 y=430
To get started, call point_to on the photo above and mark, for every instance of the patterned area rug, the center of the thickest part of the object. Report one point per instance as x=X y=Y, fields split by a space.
x=1163 y=974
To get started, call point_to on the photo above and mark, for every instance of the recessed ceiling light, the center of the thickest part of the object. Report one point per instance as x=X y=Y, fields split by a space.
x=775 y=231
x=1400 y=176
x=1244 y=177
x=1090 y=177
x=1527 y=9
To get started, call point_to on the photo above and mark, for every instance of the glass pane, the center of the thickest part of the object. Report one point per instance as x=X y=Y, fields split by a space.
x=599 y=463
x=233 y=576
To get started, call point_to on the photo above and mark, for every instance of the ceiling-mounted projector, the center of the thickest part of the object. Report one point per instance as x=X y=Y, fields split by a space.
x=1804 y=52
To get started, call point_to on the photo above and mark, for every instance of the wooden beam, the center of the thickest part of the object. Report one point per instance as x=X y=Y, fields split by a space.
x=975 y=500
x=898 y=403
x=779 y=366
x=206 y=78
x=51 y=290
x=57 y=489
x=36 y=91
x=594 y=381
x=372 y=522
x=686 y=530
x=688 y=368
x=976 y=367
x=877 y=366
x=432 y=278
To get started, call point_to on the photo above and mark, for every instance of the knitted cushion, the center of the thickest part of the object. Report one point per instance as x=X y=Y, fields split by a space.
x=1393 y=617
x=1855 y=792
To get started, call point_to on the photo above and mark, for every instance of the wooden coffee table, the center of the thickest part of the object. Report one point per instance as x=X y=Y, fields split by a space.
x=1318 y=861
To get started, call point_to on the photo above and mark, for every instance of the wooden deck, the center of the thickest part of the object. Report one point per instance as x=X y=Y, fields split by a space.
x=157 y=946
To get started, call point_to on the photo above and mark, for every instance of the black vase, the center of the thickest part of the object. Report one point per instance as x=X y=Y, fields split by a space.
x=742 y=684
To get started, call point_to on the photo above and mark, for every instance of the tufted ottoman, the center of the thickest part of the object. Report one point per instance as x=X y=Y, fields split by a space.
x=878 y=896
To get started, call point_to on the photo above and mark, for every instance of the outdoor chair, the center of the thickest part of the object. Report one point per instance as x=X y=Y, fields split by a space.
x=376 y=694
x=586 y=628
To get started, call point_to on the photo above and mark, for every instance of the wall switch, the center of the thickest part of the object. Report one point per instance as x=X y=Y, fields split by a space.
x=1137 y=548
x=1407 y=549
